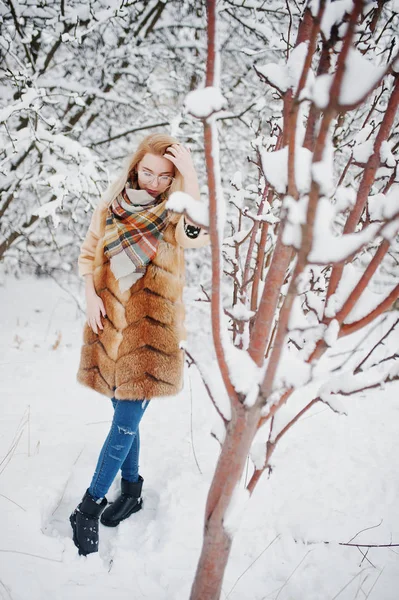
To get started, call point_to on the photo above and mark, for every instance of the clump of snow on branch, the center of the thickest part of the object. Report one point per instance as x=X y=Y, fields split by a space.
x=384 y=206
x=331 y=333
x=203 y=102
x=360 y=76
x=330 y=248
x=275 y=167
x=323 y=171
x=334 y=13
x=197 y=210
x=292 y=372
x=243 y=371
x=27 y=101
x=350 y=383
x=49 y=210
x=378 y=288
x=295 y=217
x=386 y=154
x=241 y=312
x=284 y=76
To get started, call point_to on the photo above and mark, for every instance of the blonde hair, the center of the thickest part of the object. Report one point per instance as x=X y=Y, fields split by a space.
x=155 y=143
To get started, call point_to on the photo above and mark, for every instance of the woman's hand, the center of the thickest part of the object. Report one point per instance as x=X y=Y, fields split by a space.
x=180 y=156
x=94 y=306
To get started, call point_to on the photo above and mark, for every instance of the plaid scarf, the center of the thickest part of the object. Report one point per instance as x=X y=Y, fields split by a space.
x=133 y=229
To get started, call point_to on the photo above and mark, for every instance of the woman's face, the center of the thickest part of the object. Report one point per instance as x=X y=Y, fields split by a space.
x=155 y=174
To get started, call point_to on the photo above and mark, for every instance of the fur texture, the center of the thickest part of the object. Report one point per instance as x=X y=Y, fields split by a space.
x=137 y=354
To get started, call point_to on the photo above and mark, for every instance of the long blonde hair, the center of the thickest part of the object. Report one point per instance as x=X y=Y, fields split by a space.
x=155 y=143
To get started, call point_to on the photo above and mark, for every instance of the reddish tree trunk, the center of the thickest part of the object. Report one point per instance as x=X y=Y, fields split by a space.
x=229 y=469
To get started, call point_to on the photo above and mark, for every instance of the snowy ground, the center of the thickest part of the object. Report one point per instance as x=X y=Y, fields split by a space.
x=333 y=477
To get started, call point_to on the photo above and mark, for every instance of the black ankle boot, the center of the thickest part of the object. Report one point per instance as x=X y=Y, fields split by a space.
x=84 y=522
x=126 y=504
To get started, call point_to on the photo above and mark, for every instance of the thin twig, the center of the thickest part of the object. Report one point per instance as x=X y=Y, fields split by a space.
x=296 y=568
x=349 y=582
x=29 y=554
x=375 y=583
x=191 y=425
x=225 y=421
x=252 y=563
x=16 y=503
x=366 y=529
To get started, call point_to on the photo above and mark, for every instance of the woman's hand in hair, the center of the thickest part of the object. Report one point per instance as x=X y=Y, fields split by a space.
x=94 y=306
x=180 y=156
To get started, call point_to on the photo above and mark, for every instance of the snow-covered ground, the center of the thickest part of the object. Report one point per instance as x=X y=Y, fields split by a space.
x=333 y=477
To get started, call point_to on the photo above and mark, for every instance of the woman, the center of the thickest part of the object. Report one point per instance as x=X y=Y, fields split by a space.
x=133 y=264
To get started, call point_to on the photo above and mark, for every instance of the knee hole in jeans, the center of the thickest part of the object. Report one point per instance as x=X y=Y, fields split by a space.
x=125 y=429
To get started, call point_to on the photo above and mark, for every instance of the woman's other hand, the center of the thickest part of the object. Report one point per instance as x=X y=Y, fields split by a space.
x=94 y=306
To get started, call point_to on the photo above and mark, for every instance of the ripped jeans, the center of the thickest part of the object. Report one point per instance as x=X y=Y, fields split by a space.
x=121 y=448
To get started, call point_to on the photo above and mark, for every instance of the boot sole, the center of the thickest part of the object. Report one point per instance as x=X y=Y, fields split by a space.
x=116 y=523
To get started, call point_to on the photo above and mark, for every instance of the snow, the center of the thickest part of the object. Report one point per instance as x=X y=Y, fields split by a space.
x=364 y=133
x=27 y=100
x=241 y=312
x=237 y=237
x=360 y=77
x=336 y=402
x=341 y=468
x=362 y=152
x=384 y=206
x=323 y=171
x=320 y=90
x=329 y=248
x=80 y=89
x=210 y=373
x=286 y=75
x=332 y=332
x=196 y=210
x=243 y=371
x=295 y=217
x=386 y=154
x=252 y=395
x=276 y=74
x=375 y=292
x=348 y=383
x=235 y=510
x=204 y=102
x=68 y=145
x=275 y=167
x=258 y=454
x=345 y=197
x=292 y=371
x=390 y=231
x=49 y=209
x=333 y=14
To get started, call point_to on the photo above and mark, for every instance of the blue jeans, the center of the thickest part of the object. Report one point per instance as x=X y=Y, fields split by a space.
x=121 y=448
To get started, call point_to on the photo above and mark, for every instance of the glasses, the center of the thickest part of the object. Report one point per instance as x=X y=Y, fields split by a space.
x=148 y=177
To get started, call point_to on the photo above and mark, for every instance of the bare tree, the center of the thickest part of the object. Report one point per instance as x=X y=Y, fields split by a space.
x=320 y=259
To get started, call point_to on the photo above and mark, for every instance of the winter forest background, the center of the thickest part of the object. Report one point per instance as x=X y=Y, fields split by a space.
x=301 y=125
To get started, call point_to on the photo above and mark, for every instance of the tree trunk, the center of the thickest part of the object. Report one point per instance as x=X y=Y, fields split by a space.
x=230 y=467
